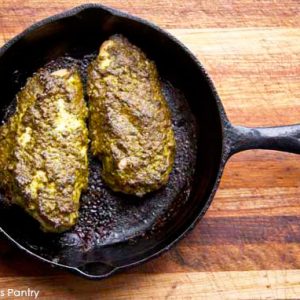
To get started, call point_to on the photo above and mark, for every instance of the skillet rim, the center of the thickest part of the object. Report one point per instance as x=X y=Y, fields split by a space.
x=222 y=116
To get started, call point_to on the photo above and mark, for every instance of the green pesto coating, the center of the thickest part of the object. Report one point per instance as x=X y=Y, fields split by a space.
x=130 y=122
x=43 y=149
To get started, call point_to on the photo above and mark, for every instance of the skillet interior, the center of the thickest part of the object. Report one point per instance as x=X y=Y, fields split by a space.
x=116 y=230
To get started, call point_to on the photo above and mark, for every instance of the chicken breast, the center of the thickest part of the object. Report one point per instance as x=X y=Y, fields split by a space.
x=130 y=121
x=43 y=149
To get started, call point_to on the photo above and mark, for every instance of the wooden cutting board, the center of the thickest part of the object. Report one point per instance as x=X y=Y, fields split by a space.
x=248 y=244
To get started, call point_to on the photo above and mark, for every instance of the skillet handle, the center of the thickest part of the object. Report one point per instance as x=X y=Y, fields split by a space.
x=281 y=138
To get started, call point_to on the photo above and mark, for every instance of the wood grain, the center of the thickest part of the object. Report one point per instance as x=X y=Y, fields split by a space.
x=248 y=244
x=168 y=14
x=250 y=285
x=265 y=59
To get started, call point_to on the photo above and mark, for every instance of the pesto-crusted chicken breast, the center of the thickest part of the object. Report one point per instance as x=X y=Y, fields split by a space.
x=130 y=122
x=43 y=149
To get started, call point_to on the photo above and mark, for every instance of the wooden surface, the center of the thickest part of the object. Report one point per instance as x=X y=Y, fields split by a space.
x=248 y=244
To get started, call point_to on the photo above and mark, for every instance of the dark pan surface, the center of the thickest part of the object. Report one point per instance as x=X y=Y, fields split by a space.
x=115 y=230
x=107 y=217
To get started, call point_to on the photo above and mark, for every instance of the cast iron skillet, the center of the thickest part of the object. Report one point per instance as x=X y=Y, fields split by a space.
x=114 y=231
